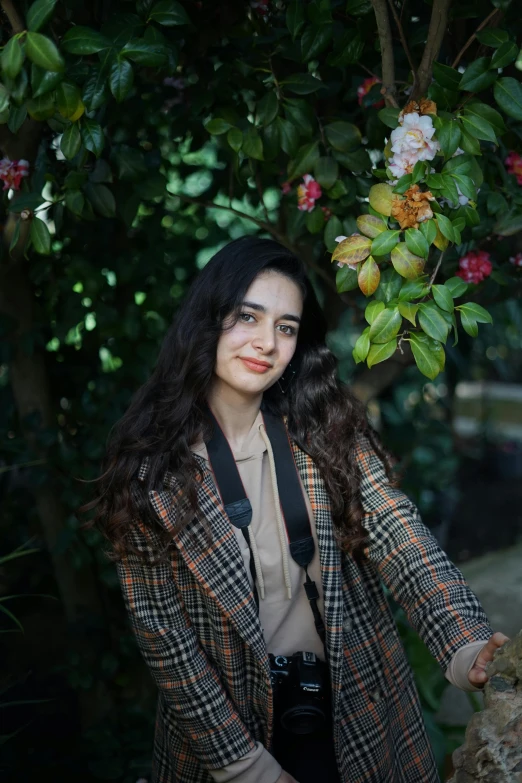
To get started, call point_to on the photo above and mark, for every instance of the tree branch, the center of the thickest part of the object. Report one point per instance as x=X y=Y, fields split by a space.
x=388 y=63
x=15 y=20
x=439 y=18
x=436 y=271
x=470 y=40
x=403 y=38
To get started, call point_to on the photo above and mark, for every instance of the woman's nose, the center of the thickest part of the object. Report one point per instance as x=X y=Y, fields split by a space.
x=264 y=339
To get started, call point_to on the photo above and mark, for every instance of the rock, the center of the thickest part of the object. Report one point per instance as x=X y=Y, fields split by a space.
x=492 y=751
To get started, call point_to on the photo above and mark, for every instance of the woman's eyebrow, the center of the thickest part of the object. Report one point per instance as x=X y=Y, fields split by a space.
x=262 y=309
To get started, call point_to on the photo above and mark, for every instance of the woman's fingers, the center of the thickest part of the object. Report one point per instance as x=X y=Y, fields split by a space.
x=477 y=675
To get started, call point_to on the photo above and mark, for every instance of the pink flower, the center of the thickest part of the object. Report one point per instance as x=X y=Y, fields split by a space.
x=261 y=6
x=516 y=260
x=475 y=266
x=414 y=138
x=364 y=88
x=513 y=164
x=327 y=213
x=308 y=193
x=286 y=187
x=12 y=171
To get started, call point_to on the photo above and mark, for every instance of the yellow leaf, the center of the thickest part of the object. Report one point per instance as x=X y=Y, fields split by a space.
x=405 y=262
x=369 y=277
x=440 y=241
x=370 y=225
x=381 y=197
x=352 y=250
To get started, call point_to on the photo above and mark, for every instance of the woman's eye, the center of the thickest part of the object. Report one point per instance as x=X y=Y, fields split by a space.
x=287 y=329
x=245 y=317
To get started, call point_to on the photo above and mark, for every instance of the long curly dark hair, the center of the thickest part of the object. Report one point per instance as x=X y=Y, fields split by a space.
x=168 y=414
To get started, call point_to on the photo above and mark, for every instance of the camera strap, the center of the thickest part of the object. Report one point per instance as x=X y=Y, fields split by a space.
x=293 y=506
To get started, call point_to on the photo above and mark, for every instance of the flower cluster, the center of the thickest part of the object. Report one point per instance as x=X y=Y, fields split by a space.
x=261 y=7
x=12 y=171
x=414 y=208
x=516 y=260
x=475 y=266
x=364 y=88
x=412 y=140
x=514 y=165
x=308 y=193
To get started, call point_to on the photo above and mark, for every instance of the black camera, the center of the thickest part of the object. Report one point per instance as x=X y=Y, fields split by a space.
x=301 y=691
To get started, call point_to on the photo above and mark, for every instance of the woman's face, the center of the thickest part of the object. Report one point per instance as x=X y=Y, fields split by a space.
x=254 y=353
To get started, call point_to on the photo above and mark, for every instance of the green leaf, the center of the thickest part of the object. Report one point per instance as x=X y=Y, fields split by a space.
x=302 y=83
x=469 y=324
x=487 y=113
x=74 y=201
x=416 y=242
x=315 y=220
x=235 y=139
x=346 y=279
x=466 y=185
x=84 y=40
x=14 y=241
x=355 y=161
x=43 y=81
x=428 y=229
x=449 y=189
x=121 y=79
x=505 y=54
x=295 y=17
x=443 y=297
x=252 y=145
x=379 y=353
x=508 y=95
x=449 y=137
x=478 y=75
x=168 y=13
x=406 y=263
x=492 y=36
x=326 y=171
x=92 y=136
x=389 y=117
x=478 y=128
x=4 y=99
x=315 y=40
x=385 y=325
x=95 y=90
x=289 y=136
x=373 y=310
x=333 y=229
x=41 y=108
x=432 y=322
x=343 y=136
x=445 y=227
x=39 y=14
x=17 y=116
x=12 y=57
x=26 y=201
x=476 y=311
x=71 y=141
x=68 y=99
x=102 y=199
x=508 y=225
x=40 y=237
x=144 y=52
x=304 y=160
x=130 y=164
x=429 y=358
x=408 y=311
x=447 y=77
x=267 y=108
x=361 y=347
x=389 y=286
x=385 y=242
x=456 y=286
x=370 y=225
x=413 y=289
x=217 y=126
x=404 y=183
x=42 y=51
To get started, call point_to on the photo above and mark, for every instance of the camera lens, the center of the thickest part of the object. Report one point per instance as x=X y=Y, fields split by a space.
x=303 y=719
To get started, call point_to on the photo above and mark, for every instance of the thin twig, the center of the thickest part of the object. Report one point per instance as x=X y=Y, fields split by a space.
x=470 y=40
x=437 y=28
x=388 y=63
x=403 y=38
x=435 y=273
x=15 y=20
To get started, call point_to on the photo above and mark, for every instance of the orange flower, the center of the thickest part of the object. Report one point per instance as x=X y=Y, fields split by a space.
x=424 y=106
x=413 y=208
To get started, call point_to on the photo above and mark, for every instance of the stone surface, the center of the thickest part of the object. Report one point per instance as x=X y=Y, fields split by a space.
x=492 y=752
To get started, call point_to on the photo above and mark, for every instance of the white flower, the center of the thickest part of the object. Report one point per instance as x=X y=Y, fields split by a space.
x=402 y=163
x=415 y=138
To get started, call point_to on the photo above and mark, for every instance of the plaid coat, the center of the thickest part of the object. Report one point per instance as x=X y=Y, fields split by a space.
x=196 y=623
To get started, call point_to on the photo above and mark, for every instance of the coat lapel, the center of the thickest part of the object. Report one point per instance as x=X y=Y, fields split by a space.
x=211 y=551
x=330 y=562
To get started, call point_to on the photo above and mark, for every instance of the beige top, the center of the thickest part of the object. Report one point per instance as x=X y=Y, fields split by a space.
x=284 y=610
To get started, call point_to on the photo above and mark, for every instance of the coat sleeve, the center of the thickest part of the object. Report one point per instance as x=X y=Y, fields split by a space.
x=190 y=685
x=439 y=603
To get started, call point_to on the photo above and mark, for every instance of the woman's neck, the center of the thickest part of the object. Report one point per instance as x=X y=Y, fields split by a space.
x=235 y=412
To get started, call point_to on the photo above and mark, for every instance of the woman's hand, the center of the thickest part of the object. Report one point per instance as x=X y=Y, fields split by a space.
x=477 y=675
x=286 y=777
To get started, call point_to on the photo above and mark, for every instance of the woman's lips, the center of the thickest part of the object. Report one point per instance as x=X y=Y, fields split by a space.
x=256 y=366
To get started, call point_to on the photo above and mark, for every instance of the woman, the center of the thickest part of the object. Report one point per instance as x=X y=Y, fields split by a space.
x=217 y=607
